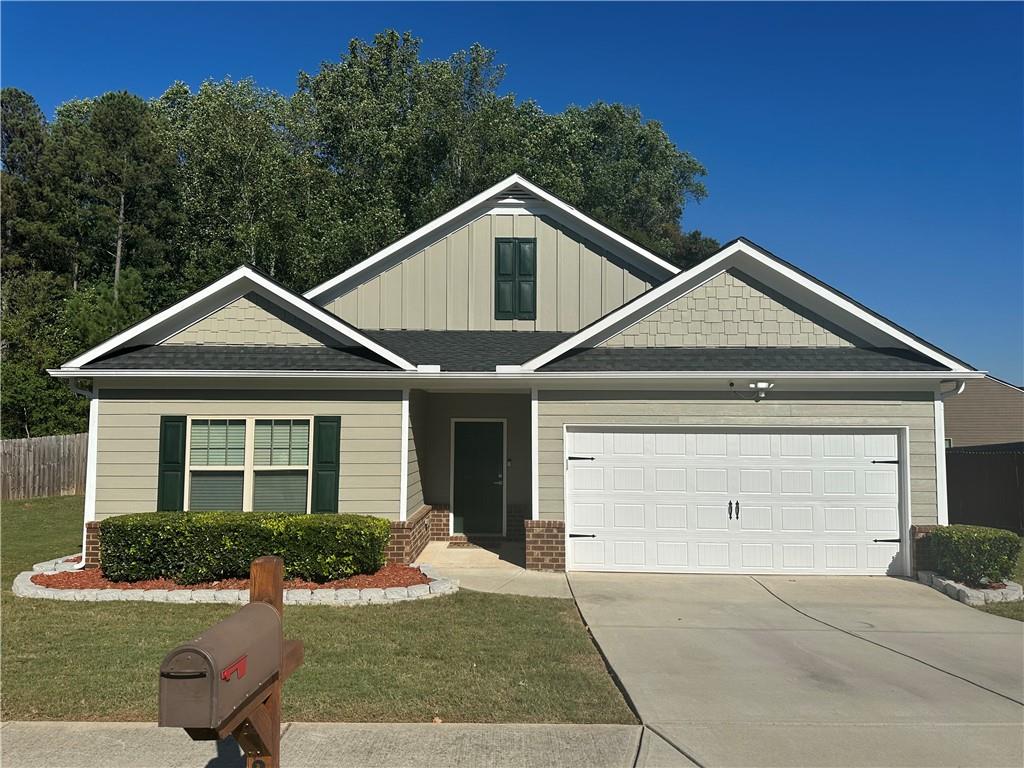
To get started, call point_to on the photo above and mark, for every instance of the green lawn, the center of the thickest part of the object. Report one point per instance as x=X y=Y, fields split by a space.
x=470 y=657
x=1010 y=610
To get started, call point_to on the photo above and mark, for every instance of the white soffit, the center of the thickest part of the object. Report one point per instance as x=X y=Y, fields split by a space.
x=517 y=188
x=219 y=294
x=772 y=272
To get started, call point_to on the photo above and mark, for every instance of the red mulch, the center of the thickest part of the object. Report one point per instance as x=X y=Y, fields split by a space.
x=75 y=559
x=92 y=578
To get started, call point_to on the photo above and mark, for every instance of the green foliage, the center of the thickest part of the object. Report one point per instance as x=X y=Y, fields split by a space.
x=124 y=206
x=972 y=553
x=195 y=547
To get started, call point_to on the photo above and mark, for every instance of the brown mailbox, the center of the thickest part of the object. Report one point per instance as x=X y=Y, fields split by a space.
x=203 y=683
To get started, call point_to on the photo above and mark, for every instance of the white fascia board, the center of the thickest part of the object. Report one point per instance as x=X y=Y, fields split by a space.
x=732 y=256
x=540 y=379
x=225 y=290
x=356 y=274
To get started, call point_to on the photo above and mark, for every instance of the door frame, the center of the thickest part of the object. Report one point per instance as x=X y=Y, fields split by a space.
x=504 y=470
x=902 y=433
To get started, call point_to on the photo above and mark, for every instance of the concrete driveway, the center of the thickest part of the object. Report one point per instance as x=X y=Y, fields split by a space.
x=808 y=671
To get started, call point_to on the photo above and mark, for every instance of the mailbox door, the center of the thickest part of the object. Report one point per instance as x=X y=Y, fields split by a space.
x=187 y=689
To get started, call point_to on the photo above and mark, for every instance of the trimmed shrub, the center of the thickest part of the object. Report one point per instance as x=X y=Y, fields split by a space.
x=194 y=547
x=971 y=553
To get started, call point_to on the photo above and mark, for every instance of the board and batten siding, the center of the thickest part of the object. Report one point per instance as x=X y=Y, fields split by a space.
x=556 y=409
x=449 y=285
x=129 y=437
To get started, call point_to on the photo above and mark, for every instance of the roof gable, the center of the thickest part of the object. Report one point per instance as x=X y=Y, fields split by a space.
x=512 y=195
x=823 y=301
x=225 y=292
x=731 y=310
x=250 y=320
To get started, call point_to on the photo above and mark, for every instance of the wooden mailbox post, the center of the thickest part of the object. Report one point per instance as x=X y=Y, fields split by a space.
x=227 y=682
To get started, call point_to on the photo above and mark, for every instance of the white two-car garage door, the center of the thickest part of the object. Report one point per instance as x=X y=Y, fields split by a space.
x=668 y=500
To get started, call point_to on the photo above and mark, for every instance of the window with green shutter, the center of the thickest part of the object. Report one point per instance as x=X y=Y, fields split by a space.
x=515 y=278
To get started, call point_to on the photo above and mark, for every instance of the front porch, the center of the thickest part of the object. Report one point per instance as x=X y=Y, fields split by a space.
x=469 y=483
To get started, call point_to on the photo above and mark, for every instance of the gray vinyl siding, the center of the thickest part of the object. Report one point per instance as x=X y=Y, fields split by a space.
x=987 y=412
x=414 y=497
x=556 y=409
x=128 y=441
x=449 y=285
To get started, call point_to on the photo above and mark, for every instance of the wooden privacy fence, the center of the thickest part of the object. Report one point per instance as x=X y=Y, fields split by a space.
x=43 y=466
x=986 y=485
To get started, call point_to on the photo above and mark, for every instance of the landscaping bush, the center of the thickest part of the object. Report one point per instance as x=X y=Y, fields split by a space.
x=194 y=547
x=972 y=553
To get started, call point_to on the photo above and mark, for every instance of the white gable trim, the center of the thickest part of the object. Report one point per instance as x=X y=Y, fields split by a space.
x=757 y=263
x=218 y=294
x=464 y=213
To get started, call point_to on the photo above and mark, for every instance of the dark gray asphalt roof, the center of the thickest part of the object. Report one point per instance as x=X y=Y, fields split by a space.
x=224 y=358
x=741 y=359
x=468 y=350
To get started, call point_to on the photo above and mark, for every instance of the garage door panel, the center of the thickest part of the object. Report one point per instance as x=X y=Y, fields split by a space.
x=658 y=499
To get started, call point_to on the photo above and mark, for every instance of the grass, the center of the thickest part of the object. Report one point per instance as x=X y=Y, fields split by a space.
x=1010 y=610
x=470 y=657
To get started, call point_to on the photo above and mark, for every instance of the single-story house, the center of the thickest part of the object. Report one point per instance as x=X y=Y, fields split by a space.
x=515 y=368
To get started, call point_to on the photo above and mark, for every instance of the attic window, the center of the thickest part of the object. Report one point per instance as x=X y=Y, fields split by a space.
x=515 y=278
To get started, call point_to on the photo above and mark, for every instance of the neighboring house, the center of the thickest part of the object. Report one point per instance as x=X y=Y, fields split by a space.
x=515 y=368
x=988 y=412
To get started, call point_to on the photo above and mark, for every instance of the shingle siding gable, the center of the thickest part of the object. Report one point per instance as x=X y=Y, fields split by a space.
x=729 y=310
x=248 y=321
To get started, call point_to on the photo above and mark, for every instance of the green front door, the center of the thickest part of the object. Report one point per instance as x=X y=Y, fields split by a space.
x=479 y=477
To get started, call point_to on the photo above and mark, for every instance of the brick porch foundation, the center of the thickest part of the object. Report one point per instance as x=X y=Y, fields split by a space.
x=92 y=544
x=545 y=545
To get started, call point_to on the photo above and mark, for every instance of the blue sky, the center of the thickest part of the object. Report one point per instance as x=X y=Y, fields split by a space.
x=878 y=146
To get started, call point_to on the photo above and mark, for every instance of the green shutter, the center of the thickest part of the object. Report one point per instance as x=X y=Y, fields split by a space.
x=515 y=278
x=504 y=278
x=170 y=491
x=526 y=279
x=215 y=492
x=326 y=473
x=279 y=491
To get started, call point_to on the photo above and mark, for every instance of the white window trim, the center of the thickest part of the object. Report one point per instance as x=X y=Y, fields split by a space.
x=249 y=468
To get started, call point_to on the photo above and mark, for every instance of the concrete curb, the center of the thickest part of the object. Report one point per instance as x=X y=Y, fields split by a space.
x=57 y=564
x=24 y=587
x=1011 y=593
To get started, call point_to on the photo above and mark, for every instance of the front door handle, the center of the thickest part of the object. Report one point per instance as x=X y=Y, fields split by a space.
x=730 y=510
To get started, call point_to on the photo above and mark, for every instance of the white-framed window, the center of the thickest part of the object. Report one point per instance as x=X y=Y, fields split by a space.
x=248 y=464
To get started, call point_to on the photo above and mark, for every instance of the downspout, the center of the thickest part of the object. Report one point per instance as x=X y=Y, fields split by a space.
x=942 y=505
x=90 y=461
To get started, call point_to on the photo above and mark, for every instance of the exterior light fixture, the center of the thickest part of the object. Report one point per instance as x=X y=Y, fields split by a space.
x=760 y=390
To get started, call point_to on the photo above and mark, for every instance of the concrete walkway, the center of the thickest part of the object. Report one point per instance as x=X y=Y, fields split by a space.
x=498 y=568
x=812 y=671
x=335 y=745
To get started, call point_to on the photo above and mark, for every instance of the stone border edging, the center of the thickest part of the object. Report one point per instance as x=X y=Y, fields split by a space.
x=24 y=587
x=1011 y=593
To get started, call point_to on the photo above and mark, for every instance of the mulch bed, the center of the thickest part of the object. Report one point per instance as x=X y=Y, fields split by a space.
x=92 y=578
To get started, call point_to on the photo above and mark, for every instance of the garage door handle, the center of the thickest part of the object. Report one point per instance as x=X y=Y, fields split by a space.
x=888 y=541
x=885 y=461
x=737 y=510
x=581 y=458
x=582 y=535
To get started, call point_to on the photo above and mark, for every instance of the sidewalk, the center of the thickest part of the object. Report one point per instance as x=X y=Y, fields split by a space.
x=338 y=745
x=499 y=569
